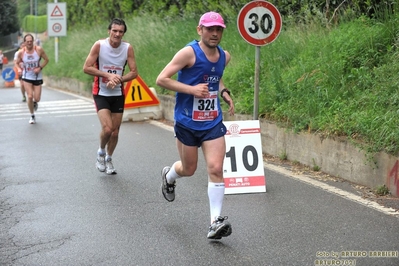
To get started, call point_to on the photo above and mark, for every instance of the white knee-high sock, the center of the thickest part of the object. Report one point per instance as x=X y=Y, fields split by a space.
x=172 y=175
x=215 y=195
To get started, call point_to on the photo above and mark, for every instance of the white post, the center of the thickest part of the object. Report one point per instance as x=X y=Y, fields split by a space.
x=56 y=44
x=256 y=83
x=36 y=19
x=56 y=49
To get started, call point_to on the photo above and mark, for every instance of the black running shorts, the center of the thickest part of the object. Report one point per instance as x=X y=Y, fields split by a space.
x=115 y=104
x=34 y=82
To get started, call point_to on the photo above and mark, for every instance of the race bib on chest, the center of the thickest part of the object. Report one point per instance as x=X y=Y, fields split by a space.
x=111 y=69
x=206 y=109
x=30 y=65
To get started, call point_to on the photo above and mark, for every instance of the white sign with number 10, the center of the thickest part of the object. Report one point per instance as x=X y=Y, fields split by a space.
x=243 y=163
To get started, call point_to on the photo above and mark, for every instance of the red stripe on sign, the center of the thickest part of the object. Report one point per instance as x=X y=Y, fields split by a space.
x=245 y=131
x=253 y=181
x=250 y=131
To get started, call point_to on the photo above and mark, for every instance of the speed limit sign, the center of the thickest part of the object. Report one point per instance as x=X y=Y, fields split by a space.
x=243 y=169
x=259 y=23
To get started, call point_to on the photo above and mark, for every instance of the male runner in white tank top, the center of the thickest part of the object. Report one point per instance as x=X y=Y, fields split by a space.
x=106 y=62
x=30 y=64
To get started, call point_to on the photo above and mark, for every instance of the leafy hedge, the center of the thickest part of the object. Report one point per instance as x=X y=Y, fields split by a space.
x=35 y=23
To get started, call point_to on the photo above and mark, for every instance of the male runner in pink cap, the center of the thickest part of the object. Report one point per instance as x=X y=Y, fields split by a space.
x=198 y=115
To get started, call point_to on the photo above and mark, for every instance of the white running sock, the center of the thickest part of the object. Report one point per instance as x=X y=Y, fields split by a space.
x=172 y=175
x=215 y=195
x=101 y=151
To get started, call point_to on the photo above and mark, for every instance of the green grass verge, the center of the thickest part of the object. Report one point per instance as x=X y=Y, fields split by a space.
x=340 y=81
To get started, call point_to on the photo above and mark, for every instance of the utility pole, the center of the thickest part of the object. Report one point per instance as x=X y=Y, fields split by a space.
x=36 y=19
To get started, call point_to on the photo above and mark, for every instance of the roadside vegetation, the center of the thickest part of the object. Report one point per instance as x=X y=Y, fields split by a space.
x=335 y=79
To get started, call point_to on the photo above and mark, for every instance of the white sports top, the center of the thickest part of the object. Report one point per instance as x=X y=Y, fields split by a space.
x=30 y=61
x=112 y=60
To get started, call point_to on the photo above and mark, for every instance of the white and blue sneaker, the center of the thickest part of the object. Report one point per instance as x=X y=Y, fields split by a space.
x=100 y=164
x=109 y=167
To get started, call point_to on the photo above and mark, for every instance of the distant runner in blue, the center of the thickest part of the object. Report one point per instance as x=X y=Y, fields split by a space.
x=198 y=115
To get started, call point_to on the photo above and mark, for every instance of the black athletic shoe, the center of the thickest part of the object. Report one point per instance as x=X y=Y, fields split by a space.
x=168 y=190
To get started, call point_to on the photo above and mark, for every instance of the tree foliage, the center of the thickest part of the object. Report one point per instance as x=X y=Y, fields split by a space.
x=8 y=17
x=32 y=7
x=94 y=11
x=89 y=12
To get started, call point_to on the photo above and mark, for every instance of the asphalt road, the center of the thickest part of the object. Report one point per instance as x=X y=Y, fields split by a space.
x=57 y=209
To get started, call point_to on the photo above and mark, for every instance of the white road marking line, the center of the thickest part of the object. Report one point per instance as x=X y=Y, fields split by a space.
x=63 y=108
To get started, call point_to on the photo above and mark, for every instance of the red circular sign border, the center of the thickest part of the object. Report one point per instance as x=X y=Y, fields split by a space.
x=241 y=18
x=55 y=25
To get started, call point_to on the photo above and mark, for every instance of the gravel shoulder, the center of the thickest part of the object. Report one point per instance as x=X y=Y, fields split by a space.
x=297 y=169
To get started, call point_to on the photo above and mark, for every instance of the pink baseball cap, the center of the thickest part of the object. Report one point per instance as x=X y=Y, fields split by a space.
x=210 y=19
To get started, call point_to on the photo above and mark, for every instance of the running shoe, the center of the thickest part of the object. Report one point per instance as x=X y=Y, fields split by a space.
x=100 y=164
x=168 y=190
x=35 y=106
x=32 y=120
x=219 y=228
x=109 y=167
x=24 y=98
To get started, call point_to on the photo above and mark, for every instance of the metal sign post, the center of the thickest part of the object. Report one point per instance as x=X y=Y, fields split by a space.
x=259 y=23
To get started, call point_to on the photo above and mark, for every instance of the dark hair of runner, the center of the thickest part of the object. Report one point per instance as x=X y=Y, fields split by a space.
x=27 y=36
x=117 y=21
